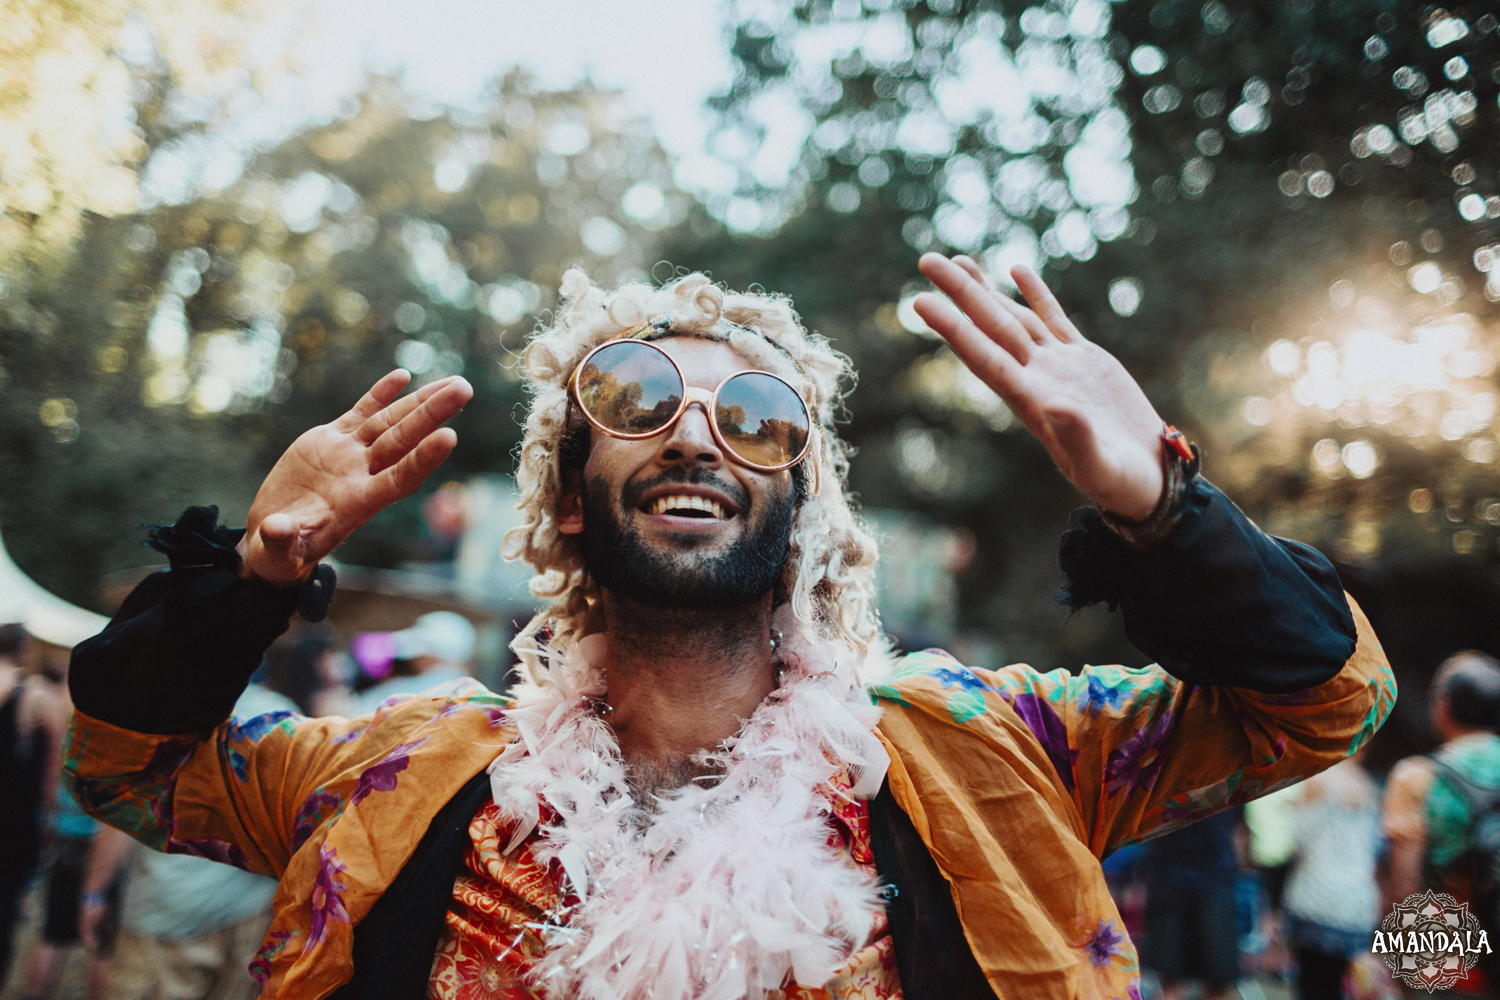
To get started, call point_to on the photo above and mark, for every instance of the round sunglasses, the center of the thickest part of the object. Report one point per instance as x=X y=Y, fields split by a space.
x=633 y=389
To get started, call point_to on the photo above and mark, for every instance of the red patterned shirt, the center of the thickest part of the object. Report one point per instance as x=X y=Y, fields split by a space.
x=491 y=945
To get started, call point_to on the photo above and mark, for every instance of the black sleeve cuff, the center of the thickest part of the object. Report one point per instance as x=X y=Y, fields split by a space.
x=1218 y=601
x=185 y=642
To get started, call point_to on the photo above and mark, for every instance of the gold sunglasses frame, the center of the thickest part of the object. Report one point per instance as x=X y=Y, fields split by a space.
x=690 y=395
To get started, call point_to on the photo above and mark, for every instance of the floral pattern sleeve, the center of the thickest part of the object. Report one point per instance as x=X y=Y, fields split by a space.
x=337 y=806
x=1139 y=753
x=251 y=792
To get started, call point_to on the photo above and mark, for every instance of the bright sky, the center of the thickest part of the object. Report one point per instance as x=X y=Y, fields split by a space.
x=667 y=55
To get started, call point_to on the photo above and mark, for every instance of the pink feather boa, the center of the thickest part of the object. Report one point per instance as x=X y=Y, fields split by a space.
x=722 y=892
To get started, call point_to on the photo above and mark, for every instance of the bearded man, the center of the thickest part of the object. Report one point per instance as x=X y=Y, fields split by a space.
x=712 y=779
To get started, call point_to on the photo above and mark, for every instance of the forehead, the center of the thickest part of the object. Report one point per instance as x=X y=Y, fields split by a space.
x=704 y=363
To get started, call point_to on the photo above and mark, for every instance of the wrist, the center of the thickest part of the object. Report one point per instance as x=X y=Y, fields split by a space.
x=96 y=898
x=1180 y=467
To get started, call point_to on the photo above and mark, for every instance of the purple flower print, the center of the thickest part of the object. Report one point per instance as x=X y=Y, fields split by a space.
x=381 y=777
x=260 y=968
x=327 y=895
x=221 y=851
x=168 y=756
x=1050 y=733
x=1137 y=762
x=1104 y=944
x=1134 y=989
x=310 y=814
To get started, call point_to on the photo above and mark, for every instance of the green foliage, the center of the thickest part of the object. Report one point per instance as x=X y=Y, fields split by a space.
x=1260 y=213
x=188 y=345
x=1223 y=194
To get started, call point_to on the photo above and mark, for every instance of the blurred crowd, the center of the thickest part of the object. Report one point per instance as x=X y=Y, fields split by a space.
x=1287 y=890
x=125 y=922
x=1282 y=892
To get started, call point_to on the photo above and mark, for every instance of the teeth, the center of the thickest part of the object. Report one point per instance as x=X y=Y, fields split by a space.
x=662 y=505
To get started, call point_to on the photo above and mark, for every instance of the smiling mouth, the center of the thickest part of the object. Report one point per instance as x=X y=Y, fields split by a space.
x=682 y=505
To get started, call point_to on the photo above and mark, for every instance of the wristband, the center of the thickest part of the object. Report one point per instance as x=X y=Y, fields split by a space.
x=1180 y=468
x=96 y=898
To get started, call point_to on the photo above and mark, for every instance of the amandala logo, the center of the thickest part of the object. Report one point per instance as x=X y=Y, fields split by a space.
x=1430 y=941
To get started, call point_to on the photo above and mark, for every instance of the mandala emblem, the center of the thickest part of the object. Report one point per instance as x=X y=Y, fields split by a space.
x=1430 y=941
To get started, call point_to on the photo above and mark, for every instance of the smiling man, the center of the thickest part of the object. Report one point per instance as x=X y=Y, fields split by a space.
x=712 y=778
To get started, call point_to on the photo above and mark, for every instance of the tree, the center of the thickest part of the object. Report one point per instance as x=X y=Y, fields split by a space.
x=1294 y=173
x=188 y=344
x=73 y=139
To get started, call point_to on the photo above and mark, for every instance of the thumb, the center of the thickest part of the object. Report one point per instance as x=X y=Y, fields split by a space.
x=278 y=535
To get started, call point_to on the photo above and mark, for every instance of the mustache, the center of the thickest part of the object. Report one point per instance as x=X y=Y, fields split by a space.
x=631 y=495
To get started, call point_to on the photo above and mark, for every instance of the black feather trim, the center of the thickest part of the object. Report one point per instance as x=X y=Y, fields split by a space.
x=196 y=541
x=1093 y=559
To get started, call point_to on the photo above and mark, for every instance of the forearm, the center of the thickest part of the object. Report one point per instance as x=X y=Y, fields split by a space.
x=1401 y=875
x=186 y=640
x=106 y=855
x=1217 y=601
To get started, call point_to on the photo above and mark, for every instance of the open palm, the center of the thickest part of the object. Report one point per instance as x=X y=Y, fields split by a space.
x=1082 y=404
x=336 y=476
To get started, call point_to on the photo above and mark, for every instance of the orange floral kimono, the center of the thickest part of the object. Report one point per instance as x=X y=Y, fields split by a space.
x=1018 y=782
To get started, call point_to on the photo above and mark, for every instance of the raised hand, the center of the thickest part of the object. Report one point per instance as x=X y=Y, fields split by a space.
x=1082 y=404
x=335 y=477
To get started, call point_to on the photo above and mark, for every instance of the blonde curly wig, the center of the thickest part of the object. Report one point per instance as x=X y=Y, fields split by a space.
x=829 y=573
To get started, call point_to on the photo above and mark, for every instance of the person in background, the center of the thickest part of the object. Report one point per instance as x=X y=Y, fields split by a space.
x=1331 y=902
x=1190 y=914
x=73 y=837
x=1270 y=822
x=314 y=671
x=433 y=651
x=188 y=927
x=31 y=724
x=1426 y=815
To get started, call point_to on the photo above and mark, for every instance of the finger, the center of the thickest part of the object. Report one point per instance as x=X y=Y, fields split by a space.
x=997 y=368
x=417 y=425
x=1032 y=323
x=994 y=364
x=393 y=414
x=1041 y=299
x=976 y=272
x=404 y=478
x=1024 y=316
x=982 y=307
x=380 y=394
x=272 y=551
x=278 y=537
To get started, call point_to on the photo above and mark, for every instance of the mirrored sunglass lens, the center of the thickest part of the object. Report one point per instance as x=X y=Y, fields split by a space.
x=630 y=388
x=762 y=419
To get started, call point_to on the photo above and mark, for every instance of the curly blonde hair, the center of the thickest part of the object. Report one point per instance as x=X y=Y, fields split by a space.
x=829 y=572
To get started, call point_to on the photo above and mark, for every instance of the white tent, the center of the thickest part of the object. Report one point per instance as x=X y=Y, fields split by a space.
x=47 y=617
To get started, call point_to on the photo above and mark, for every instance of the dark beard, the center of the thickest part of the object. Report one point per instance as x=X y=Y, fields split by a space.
x=681 y=579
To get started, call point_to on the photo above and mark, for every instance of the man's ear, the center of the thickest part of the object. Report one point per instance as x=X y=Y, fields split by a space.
x=570 y=504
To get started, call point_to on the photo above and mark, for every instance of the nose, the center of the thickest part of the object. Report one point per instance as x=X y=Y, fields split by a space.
x=690 y=441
